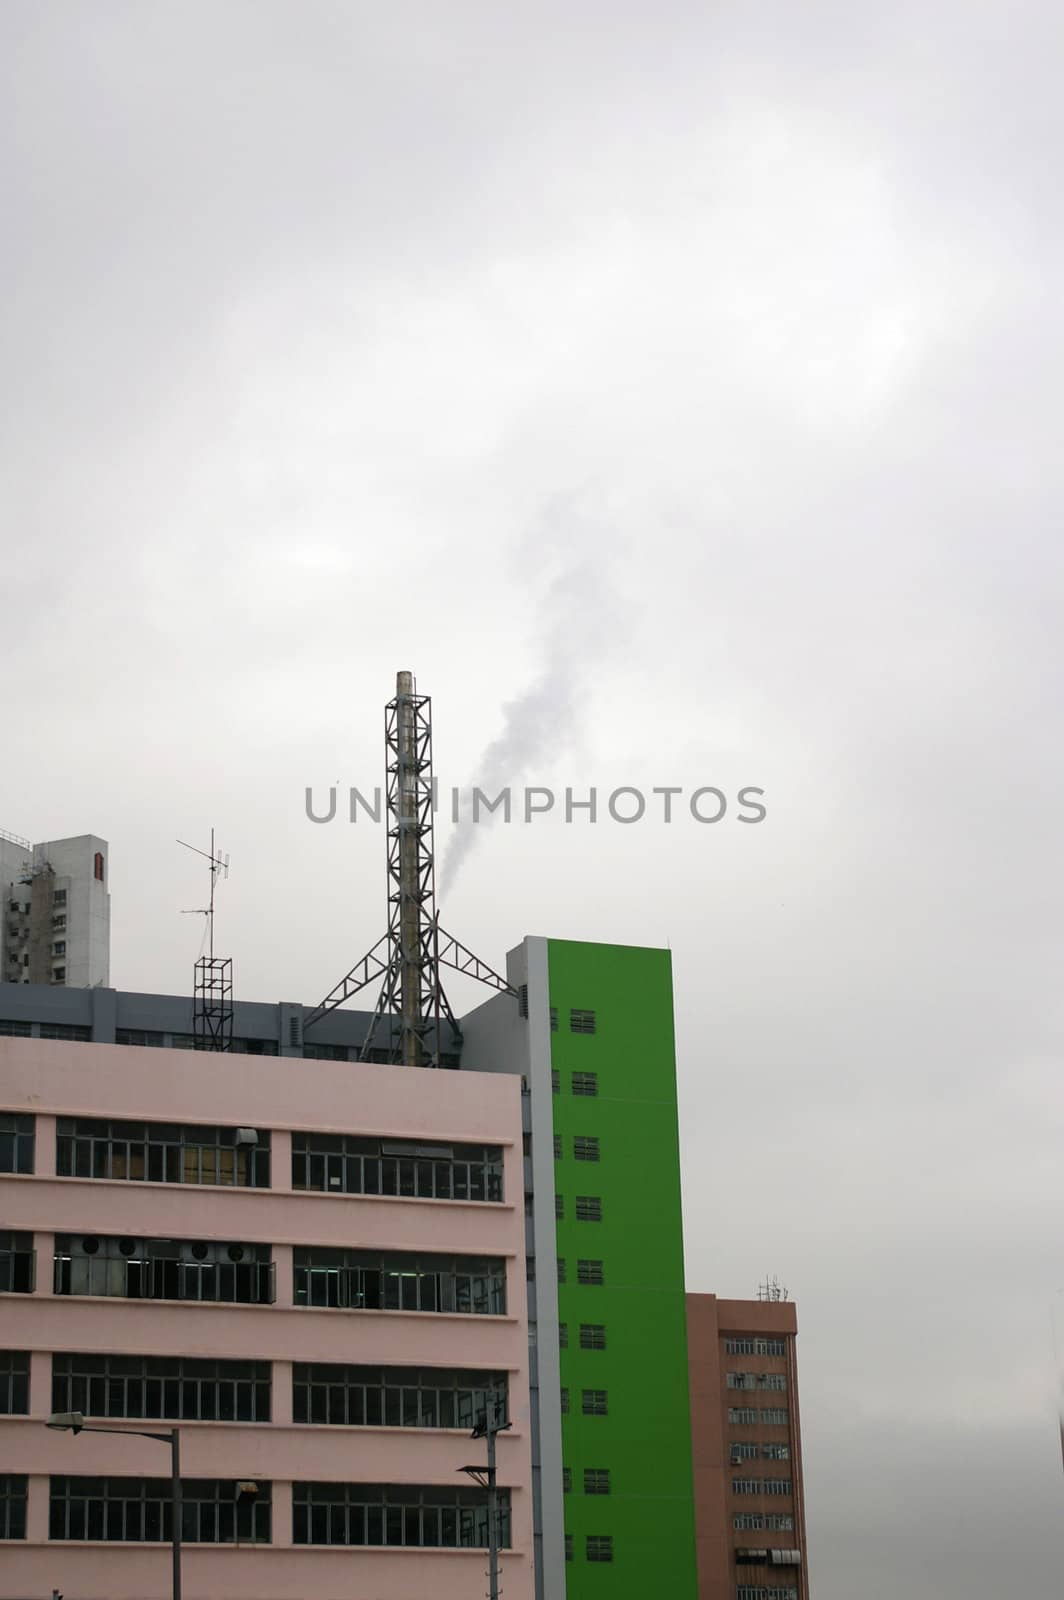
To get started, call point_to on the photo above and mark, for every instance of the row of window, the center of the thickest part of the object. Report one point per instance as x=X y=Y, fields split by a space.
x=761 y=1485
x=766 y=1452
x=585 y=1147
x=592 y=1336
x=593 y=1402
x=756 y=1380
x=596 y=1480
x=768 y=1416
x=587 y=1271
x=582 y=1084
x=597 y=1547
x=243 y=1274
x=777 y=1521
x=81 y=1033
x=205 y=1390
x=228 y=1511
x=758 y=1591
x=749 y=1346
x=91 y=1147
x=588 y=1207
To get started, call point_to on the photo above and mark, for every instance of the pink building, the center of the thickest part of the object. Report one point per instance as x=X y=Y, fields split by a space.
x=315 y=1269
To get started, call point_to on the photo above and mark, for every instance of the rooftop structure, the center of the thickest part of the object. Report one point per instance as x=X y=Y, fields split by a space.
x=55 y=911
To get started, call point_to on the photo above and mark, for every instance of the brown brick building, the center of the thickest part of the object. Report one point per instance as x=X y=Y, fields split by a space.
x=749 y=1503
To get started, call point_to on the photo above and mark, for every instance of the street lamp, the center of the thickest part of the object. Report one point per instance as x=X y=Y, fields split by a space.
x=74 y=1422
x=487 y=1428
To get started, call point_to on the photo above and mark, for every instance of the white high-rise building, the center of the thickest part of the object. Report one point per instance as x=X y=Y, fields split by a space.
x=55 y=913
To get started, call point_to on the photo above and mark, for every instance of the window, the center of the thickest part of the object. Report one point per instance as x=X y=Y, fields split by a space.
x=561 y=1269
x=396 y=1397
x=585 y=1083
x=594 y=1402
x=563 y=1336
x=59 y=947
x=780 y=1521
x=14 y=1383
x=139 y=1036
x=592 y=1336
x=174 y=1387
x=530 y=1269
x=97 y=866
x=773 y=1416
x=395 y=1514
x=777 y=1485
x=18 y=1262
x=745 y=1414
x=776 y=1452
x=743 y=1452
x=375 y=1280
x=568 y=1547
x=761 y=1486
x=590 y=1272
x=346 y=1164
x=586 y=1147
x=556 y=1082
x=582 y=1021
x=739 y=1380
x=160 y=1152
x=59 y=974
x=325 y=1052
x=254 y=1047
x=164 y=1269
x=16 y=1143
x=599 y=1547
x=758 y=1591
x=76 y=1032
x=588 y=1208
x=567 y=1480
x=554 y=1019
x=59 y=898
x=746 y=1521
x=59 y=924
x=596 y=1480
x=14 y=1030
x=12 y=1505
x=750 y=1346
x=139 y=1510
x=557 y=1147
x=771 y=1380
x=746 y=1486
x=565 y=1402
x=559 y=1207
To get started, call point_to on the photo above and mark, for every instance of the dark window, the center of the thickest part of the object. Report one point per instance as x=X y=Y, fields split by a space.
x=561 y=1269
x=559 y=1206
x=596 y=1480
x=139 y=1510
x=599 y=1547
x=563 y=1336
x=557 y=1147
x=175 y=1387
x=594 y=1403
x=15 y=1030
x=556 y=1082
x=12 y=1505
x=325 y=1052
x=585 y=1083
x=365 y=1280
x=565 y=1402
x=582 y=1021
x=59 y=974
x=139 y=1036
x=748 y=1345
x=395 y=1514
x=590 y=1272
x=522 y=1000
x=346 y=1164
x=97 y=866
x=588 y=1208
x=554 y=1019
x=585 y=1147
x=255 y=1047
x=16 y=1143
x=59 y=947
x=164 y=1269
x=567 y=1480
x=530 y=1268
x=59 y=898
x=568 y=1547
x=76 y=1032
x=161 y=1152
x=592 y=1336
x=396 y=1397
x=17 y=1263
x=14 y=1383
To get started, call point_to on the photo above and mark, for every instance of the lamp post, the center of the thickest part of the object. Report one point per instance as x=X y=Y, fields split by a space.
x=74 y=1422
x=488 y=1428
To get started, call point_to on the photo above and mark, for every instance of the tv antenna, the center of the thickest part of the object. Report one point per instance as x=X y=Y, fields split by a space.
x=212 y=1009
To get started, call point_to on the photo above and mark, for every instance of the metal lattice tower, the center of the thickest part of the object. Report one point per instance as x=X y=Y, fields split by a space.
x=412 y=1006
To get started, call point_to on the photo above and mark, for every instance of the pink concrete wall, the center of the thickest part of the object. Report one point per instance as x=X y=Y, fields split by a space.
x=53 y=1078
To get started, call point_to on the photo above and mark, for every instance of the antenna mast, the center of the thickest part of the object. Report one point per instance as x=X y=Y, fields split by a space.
x=412 y=1002
x=212 y=1005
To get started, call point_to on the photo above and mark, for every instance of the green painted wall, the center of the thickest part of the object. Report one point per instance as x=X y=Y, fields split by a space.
x=645 y=1440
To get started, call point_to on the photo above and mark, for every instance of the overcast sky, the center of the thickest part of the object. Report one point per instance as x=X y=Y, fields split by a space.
x=688 y=378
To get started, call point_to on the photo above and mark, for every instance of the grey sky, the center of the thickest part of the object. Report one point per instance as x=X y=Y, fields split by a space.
x=318 y=321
